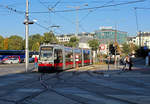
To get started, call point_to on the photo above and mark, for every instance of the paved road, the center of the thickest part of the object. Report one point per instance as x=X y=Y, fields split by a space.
x=7 y=69
x=88 y=85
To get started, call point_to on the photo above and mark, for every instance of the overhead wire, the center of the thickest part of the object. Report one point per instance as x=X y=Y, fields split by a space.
x=90 y=11
x=50 y=9
x=12 y=9
x=80 y=9
x=21 y=12
x=136 y=16
x=55 y=5
x=97 y=7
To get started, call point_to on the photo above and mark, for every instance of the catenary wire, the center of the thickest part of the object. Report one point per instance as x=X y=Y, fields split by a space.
x=98 y=7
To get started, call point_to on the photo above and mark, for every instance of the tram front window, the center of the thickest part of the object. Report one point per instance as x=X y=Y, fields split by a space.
x=46 y=55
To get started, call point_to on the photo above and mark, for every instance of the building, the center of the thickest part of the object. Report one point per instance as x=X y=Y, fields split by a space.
x=64 y=38
x=143 y=39
x=83 y=41
x=107 y=35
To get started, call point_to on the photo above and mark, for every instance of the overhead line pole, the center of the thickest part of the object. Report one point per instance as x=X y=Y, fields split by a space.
x=27 y=22
x=115 y=44
x=26 y=36
x=137 y=26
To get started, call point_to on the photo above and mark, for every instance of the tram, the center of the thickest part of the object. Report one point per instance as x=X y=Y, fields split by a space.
x=58 y=57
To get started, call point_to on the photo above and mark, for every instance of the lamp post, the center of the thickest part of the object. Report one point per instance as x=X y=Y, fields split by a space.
x=27 y=22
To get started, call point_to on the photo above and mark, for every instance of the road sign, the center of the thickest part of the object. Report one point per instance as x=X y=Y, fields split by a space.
x=102 y=47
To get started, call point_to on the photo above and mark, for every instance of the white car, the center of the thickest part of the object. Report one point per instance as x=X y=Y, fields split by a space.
x=11 y=61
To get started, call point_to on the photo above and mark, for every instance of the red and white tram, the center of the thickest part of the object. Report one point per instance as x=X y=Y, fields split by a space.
x=59 y=57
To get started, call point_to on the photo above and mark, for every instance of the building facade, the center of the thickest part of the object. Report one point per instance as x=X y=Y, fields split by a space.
x=143 y=39
x=107 y=35
x=64 y=38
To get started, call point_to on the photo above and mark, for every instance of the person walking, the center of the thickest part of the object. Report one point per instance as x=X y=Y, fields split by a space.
x=128 y=63
x=36 y=62
x=125 y=63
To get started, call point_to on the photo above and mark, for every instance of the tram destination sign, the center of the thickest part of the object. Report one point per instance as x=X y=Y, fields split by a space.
x=46 y=48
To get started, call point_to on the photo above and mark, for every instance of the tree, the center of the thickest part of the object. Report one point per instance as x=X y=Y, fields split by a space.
x=94 y=44
x=126 y=49
x=15 y=43
x=133 y=47
x=74 y=42
x=6 y=44
x=1 y=43
x=49 y=38
x=34 y=42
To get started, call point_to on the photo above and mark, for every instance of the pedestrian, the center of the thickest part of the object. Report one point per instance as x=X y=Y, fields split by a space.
x=128 y=63
x=36 y=62
x=125 y=63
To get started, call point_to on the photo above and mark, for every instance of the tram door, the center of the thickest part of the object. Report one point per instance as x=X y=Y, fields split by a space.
x=58 y=59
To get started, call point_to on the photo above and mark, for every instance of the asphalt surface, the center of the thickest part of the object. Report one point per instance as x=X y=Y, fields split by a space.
x=93 y=84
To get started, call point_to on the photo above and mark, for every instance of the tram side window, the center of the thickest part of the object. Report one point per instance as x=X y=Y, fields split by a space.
x=58 y=56
x=86 y=56
x=69 y=56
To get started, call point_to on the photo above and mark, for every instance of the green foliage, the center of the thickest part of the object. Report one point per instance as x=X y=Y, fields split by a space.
x=15 y=42
x=1 y=43
x=126 y=49
x=94 y=44
x=34 y=42
x=74 y=42
x=130 y=49
x=6 y=44
x=49 y=38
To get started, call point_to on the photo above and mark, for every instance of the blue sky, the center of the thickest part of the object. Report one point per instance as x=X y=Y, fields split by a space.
x=122 y=16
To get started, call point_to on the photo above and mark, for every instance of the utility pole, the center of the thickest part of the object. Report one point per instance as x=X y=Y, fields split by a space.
x=115 y=44
x=27 y=35
x=137 y=25
x=108 y=56
x=77 y=21
x=27 y=22
x=140 y=38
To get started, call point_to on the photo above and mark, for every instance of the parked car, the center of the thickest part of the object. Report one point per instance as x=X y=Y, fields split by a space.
x=12 y=56
x=11 y=61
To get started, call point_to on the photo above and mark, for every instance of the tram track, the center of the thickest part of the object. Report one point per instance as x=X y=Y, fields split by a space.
x=103 y=95
x=44 y=81
x=27 y=84
x=46 y=86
